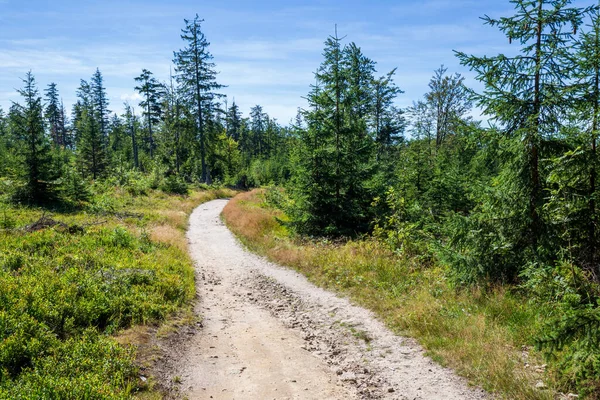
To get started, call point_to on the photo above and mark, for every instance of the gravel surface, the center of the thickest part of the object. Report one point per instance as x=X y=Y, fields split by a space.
x=267 y=333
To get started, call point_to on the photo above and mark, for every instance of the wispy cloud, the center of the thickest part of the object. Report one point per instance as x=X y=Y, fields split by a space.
x=131 y=97
x=49 y=61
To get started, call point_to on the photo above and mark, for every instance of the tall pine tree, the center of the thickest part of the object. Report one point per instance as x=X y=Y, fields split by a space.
x=574 y=173
x=196 y=75
x=525 y=93
x=91 y=145
x=335 y=162
x=34 y=144
x=100 y=105
x=55 y=116
x=151 y=91
x=131 y=123
x=258 y=125
x=234 y=122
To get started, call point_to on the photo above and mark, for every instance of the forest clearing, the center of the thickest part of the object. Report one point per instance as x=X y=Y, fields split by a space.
x=283 y=216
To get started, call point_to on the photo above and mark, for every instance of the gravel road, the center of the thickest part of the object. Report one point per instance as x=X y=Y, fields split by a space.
x=267 y=333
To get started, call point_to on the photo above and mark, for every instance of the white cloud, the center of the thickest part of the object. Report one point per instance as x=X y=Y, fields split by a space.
x=131 y=97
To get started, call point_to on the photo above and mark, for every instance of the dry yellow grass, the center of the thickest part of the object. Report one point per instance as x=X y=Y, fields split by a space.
x=138 y=335
x=167 y=234
x=175 y=218
x=172 y=218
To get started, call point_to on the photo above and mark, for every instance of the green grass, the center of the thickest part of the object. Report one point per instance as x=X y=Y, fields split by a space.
x=119 y=261
x=486 y=336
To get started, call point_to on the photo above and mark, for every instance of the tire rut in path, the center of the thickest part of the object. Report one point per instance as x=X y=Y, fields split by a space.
x=270 y=334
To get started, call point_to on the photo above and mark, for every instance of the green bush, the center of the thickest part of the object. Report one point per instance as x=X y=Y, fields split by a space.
x=63 y=292
x=74 y=188
x=91 y=366
x=174 y=185
x=570 y=334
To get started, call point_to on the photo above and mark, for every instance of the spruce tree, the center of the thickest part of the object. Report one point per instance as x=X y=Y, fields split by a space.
x=173 y=125
x=34 y=144
x=234 y=122
x=118 y=143
x=196 y=75
x=335 y=162
x=525 y=95
x=573 y=177
x=588 y=75
x=334 y=82
x=258 y=124
x=55 y=116
x=358 y=145
x=66 y=130
x=91 y=145
x=359 y=71
x=131 y=123
x=100 y=105
x=151 y=90
x=271 y=136
x=245 y=141
x=76 y=111
x=422 y=129
x=316 y=186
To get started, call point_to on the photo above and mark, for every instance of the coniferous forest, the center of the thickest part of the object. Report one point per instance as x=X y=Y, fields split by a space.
x=510 y=200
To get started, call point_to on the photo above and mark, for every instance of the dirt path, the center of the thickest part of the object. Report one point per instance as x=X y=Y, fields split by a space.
x=270 y=334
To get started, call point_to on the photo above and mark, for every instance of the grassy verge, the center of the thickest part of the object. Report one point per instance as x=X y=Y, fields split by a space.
x=483 y=336
x=72 y=281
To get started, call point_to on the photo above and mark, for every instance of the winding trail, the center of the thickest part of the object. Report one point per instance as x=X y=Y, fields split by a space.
x=270 y=334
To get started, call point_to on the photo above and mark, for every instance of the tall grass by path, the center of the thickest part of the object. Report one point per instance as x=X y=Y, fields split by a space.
x=65 y=290
x=484 y=336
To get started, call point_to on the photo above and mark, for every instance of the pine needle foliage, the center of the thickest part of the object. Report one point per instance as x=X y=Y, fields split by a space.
x=526 y=95
x=33 y=145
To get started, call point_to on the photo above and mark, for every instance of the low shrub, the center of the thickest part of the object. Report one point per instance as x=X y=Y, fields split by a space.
x=174 y=185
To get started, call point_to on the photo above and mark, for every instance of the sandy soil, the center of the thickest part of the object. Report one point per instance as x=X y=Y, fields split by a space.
x=267 y=333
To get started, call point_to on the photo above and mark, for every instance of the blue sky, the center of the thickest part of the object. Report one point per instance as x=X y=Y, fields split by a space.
x=266 y=51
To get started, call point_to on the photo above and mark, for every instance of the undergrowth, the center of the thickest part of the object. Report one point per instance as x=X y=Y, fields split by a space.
x=80 y=275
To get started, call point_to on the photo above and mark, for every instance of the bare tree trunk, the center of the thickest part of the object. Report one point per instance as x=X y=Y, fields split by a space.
x=592 y=194
x=205 y=174
x=534 y=135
